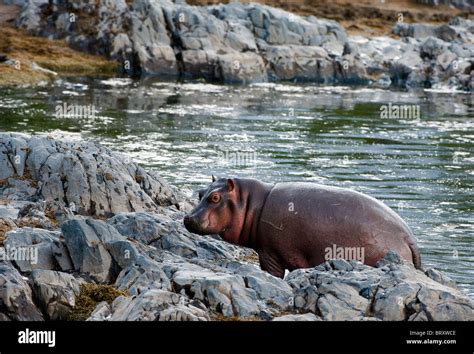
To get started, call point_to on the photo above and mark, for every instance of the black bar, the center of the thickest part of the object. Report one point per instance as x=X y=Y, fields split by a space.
x=221 y=337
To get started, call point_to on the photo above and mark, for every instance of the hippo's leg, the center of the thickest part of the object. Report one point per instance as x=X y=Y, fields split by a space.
x=271 y=265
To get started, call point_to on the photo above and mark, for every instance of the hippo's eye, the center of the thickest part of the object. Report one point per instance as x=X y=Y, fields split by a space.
x=214 y=198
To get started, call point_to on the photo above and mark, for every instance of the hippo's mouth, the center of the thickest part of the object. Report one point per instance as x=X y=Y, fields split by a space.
x=195 y=226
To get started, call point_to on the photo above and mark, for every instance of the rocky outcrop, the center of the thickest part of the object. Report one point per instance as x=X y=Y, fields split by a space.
x=393 y=291
x=466 y=5
x=67 y=178
x=252 y=42
x=162 y=272
x=425 y=56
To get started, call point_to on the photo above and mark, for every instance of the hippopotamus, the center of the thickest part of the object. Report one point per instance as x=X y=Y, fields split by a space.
x=295 y=225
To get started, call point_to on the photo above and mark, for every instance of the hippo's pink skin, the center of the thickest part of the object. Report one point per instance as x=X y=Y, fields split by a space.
x=293 y=225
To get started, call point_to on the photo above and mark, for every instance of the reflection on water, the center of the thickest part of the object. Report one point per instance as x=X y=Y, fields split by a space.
x=423 y=168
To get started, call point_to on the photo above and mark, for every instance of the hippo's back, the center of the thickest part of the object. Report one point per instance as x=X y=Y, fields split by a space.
x=302 y=221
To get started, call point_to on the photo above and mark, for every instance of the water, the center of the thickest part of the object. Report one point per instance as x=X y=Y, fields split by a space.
x=422 y=168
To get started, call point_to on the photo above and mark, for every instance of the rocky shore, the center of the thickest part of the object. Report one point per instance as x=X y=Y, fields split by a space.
x=87 y=234
x=240 y=43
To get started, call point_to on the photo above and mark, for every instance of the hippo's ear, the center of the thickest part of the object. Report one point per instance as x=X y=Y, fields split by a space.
x=213 y=178
x=230 y=184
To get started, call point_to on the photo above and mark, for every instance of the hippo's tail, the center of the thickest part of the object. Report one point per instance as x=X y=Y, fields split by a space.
x=416 y=255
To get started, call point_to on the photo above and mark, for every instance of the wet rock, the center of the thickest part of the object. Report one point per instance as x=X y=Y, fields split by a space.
x=56 y=292
x=390 y=258
x=16 y=301
x=300 y=62
x=223 y=42
x=241 y=68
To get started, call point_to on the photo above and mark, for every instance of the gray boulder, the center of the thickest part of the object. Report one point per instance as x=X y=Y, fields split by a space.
x=142 y=275
x=86 y=248
x=143 y=227
x=304 y=317
x=223 y=293
x=416 y=30
x=31 y=248
x=274 y=291
x=16 y=300
x=56 y=292
x=156 y=305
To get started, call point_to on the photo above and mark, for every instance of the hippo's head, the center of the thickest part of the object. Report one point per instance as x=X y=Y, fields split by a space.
x=218 y=211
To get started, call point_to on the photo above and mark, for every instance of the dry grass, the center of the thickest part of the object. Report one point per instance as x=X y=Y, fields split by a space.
x=5 y=226
x=54 y=55
x=251 y=258
x=220 y=317
x=91 y=295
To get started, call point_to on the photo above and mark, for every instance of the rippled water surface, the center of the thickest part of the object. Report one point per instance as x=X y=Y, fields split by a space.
x=423 y=168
